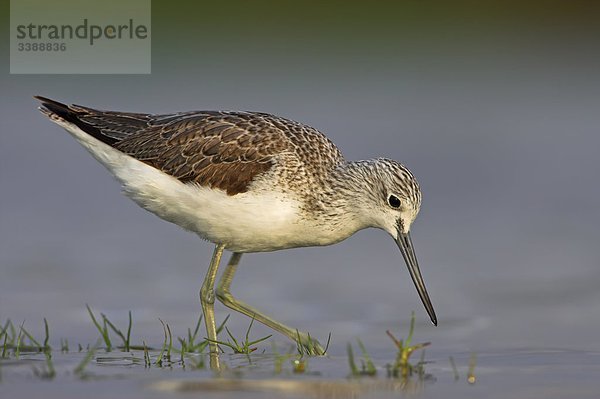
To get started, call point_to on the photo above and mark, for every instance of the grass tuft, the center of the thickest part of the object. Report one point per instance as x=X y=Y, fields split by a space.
x=164 y=357
x=192 y=337
x=367 y=367
x=9 y=335
x=311 y=347
x=102 y=329
x=402 y=366
x=241 y=347
x=34 y=344
x=125 y=338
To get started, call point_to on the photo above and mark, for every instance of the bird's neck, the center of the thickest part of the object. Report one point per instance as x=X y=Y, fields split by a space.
x=358 y=180
x=352 y=192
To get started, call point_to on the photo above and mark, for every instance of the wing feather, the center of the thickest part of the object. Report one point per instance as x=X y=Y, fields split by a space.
x=224 y=150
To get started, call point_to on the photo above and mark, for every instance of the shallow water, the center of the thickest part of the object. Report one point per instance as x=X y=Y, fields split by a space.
x=508 y=374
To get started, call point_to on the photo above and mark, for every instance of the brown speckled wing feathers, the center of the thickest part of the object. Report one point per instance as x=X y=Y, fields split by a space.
x=212 y=149
x=218 y=149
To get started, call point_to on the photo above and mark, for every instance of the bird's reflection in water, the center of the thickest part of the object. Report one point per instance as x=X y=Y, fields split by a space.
x=305 y=388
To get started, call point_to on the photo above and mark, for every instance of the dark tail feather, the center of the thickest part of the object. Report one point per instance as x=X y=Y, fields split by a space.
x=72 y=115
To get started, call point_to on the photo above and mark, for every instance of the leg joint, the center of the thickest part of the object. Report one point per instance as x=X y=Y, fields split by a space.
x=224 y=295
x=207 y=295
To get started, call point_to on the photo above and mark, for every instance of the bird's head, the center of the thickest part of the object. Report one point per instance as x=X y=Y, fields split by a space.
x=397 y=204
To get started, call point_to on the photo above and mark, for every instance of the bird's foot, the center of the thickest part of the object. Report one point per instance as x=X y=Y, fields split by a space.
x=308 y=345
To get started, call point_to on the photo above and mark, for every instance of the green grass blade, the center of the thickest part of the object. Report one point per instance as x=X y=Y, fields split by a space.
x=4 y=346
x=33 y=341
x=249 y=328
x=9 y=327
x=192 y=337
x=299 y=346
x=411 y=329
x=128 y=341
x=19 y=338
x=165 y=351
x=119 y=332
x=227 y=344
x=47 y=337
x=220 y=328
x=184 y=345
x=328 y=342
x=102 y=330
x=202 y=345
x=112 y=326
x=13 y=332
x=170 y=347
x=235 y=342
x=370 y=367
x=259 y=340
x=351 y=362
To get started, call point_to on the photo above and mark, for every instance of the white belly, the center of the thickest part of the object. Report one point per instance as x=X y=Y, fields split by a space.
x=253 y=221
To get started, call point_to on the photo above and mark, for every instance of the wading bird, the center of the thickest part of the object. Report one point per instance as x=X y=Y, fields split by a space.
x=248 y=182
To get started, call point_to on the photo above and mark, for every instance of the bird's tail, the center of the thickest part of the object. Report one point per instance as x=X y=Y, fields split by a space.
x=60 y=112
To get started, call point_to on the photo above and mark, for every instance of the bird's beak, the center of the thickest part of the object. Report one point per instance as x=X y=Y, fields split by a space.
x=405 y=244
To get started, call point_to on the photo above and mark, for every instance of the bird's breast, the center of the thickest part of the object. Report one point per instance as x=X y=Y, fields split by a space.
x=254 y=221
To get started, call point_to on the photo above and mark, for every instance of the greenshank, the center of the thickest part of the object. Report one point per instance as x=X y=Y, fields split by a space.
x=248 y=182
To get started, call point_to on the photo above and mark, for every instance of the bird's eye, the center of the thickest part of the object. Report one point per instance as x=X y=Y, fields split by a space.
x=394 y=201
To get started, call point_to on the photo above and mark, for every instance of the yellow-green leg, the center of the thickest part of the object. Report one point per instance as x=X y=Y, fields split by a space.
x=207 y=299
x=310 y=344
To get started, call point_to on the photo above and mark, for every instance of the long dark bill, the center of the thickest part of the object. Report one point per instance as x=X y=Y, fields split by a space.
x=406 y=247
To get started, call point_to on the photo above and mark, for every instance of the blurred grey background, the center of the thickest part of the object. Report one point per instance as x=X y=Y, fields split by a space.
x=495 y=107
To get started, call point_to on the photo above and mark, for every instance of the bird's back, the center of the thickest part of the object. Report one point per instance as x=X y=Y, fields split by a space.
x=218 y=149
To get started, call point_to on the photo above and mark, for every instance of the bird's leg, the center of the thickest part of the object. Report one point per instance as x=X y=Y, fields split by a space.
x=207 y=299
x=309 y=344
